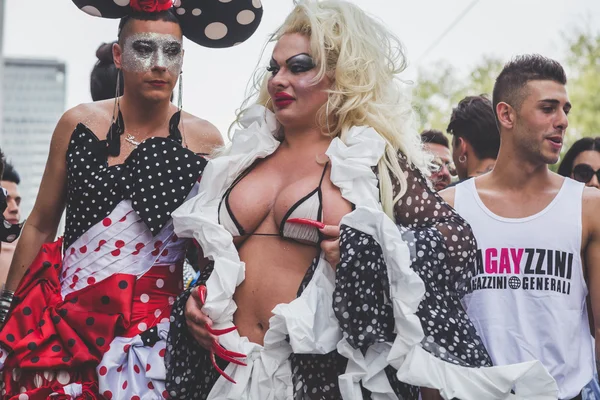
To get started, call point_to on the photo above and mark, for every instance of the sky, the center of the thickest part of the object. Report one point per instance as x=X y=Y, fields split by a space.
x=215 y=79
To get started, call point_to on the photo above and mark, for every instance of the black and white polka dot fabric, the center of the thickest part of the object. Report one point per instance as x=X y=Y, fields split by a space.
x=209 y=23
x=157 y=177
x=442 y=249
x=190 y=374
x=218 y=23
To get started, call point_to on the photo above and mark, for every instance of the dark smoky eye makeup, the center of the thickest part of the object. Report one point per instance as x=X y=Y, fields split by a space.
x=173 y=49
x=300 y=63
x=142 y=46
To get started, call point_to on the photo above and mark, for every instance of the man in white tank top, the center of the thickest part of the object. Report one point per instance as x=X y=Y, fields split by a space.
x=538 y=235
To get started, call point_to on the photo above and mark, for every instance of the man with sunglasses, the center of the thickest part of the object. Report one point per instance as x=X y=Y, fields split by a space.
x=437 y=144
x=538 y=234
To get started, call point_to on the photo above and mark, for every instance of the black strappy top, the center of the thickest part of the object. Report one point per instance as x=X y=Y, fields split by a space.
x=157 y=177
x=309 y=207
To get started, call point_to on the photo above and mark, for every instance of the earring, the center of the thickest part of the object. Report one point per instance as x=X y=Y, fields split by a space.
x=117 y=105
x=180 y=94
x=115 y=131
x=462 y=159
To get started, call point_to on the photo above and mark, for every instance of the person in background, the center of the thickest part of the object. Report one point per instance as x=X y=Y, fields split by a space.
x=582 y=162
x=10 y=182
x=538 y=234
x=475 y=136
x=436 y=143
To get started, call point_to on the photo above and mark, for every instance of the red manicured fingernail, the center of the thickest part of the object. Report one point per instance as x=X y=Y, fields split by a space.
x=219 y=370
x=202 y=293
x=306 y=221
x=219 y=332
x=221 y=350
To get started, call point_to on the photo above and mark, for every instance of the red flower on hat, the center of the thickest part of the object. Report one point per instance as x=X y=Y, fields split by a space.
x=151 y=5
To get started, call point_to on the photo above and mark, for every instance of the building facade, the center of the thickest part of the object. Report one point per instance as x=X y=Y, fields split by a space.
x=33 y=100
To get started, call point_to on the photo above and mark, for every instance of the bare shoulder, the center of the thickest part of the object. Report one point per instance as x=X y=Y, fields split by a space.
x=448 y=195
x=200 y=135
x=590 y=216
x=94 y=115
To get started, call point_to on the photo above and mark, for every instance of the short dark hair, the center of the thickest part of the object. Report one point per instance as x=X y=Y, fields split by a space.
x=584 y=144
x=434 y=136
x=167 y=16
x=518 y=72
x=473 y=119
x=10 y=173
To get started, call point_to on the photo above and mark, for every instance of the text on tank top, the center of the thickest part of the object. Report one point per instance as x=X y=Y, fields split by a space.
x=528 y=298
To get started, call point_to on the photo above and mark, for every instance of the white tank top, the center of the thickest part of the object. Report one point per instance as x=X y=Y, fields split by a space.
x=529 y=292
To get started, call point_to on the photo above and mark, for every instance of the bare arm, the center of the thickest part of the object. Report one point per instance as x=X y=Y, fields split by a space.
x=43 y=222
x=202 y=136
x=591 y=205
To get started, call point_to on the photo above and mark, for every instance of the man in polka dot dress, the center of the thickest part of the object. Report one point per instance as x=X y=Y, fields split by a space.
x=90 y=312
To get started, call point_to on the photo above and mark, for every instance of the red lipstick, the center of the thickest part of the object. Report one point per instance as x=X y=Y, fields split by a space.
x=282 y=99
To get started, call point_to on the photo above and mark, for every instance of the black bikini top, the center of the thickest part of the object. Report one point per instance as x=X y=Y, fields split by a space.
x=157 y=177
x=309 y=207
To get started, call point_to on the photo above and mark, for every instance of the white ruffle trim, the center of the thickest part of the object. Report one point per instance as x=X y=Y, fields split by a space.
x=309 y=320
x=352 y=172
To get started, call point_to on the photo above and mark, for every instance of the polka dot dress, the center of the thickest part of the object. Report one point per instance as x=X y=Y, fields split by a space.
x=157 y=177
x=190 y=373
x=57 y=334
x=443 y=248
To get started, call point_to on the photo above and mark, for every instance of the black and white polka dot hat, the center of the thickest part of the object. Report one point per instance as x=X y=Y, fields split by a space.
x=209 y=23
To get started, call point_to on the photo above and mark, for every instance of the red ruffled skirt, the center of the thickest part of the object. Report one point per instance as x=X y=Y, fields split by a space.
x=53 y=345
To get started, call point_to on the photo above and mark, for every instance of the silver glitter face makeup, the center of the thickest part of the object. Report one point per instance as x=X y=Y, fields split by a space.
x=147 y=50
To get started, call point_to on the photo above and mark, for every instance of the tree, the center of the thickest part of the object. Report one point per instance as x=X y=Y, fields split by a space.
x=441 y=87
x=583 y=66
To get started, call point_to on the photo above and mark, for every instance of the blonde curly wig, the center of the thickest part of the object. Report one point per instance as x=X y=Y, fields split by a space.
x=363 y=59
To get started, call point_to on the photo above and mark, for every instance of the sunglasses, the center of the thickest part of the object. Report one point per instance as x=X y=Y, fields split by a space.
x=440 y=164
x=584 y=173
